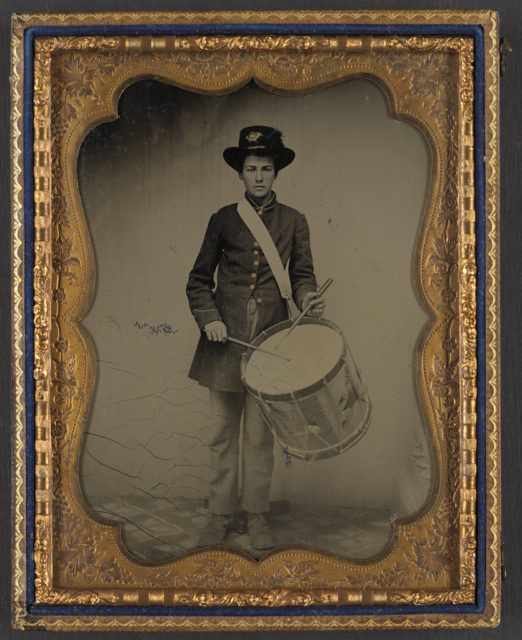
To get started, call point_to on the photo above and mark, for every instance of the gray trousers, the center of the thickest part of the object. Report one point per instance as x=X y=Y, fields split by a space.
x=228 y=409
x=258 y=455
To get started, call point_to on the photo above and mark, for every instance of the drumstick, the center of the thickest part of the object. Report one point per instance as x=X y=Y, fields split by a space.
x=251 y=346
x=304 y=311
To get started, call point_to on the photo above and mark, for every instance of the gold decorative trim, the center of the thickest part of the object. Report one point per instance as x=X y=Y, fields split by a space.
x=480 y=17
x=492 y=272
x=252 y=623
x=83 y=97
x=19 y=565
x=431 y=559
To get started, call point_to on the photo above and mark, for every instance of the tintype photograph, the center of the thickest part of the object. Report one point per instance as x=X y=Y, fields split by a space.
x=313 y=438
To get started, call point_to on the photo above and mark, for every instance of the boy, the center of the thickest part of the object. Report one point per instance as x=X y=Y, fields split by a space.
x=247 y=300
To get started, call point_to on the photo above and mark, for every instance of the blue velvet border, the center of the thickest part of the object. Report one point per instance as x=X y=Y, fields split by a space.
x=29 y=302
x=480 y=252
x=167 y=29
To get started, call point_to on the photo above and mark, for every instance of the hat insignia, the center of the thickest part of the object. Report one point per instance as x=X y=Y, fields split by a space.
x=254 y=136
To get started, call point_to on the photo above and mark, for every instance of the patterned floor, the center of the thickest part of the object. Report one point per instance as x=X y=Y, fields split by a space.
x=174 y=527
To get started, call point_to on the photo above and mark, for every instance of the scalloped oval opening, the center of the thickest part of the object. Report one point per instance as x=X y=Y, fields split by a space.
x=149 y=182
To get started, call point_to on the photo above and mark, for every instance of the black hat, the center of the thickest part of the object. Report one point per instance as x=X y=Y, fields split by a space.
x=259 y=141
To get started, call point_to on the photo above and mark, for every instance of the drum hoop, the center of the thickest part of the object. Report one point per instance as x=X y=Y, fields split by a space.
x=305 y=391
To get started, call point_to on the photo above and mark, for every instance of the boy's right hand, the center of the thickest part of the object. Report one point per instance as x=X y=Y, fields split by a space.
x=216 y=331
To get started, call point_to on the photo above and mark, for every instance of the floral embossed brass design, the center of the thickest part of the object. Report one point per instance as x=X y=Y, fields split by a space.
x=81 y=89
x=431 y=559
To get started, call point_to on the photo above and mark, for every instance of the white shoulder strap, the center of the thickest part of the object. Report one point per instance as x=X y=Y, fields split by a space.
x=261 y=234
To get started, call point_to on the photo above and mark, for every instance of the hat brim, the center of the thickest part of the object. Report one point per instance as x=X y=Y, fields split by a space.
x=235 y=156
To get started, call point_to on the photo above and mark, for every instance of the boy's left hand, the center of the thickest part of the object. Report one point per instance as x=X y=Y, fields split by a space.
x=318 y=304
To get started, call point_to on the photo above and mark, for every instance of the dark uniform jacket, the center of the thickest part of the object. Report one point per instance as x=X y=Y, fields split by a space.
x=243 y=274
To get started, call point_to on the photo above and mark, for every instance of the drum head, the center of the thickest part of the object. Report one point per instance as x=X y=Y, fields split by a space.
x=313 y=349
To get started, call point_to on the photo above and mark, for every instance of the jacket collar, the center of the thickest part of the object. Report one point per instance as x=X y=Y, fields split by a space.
x=270 y=202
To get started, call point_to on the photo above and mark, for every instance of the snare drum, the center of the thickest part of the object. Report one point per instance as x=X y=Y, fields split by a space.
x=314 y=403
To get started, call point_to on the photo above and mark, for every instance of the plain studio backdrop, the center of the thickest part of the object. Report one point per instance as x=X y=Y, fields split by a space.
x=149 y=183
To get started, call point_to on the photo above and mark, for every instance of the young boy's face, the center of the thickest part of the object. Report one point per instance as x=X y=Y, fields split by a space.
x=258 y=175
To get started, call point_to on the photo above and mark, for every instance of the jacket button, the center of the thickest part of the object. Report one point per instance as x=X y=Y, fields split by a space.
x=259 y=300
x=253 y=275
x=260 y=213
x=256 y=252
x=256 y=263
x=252 y=286
x=256 y=244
